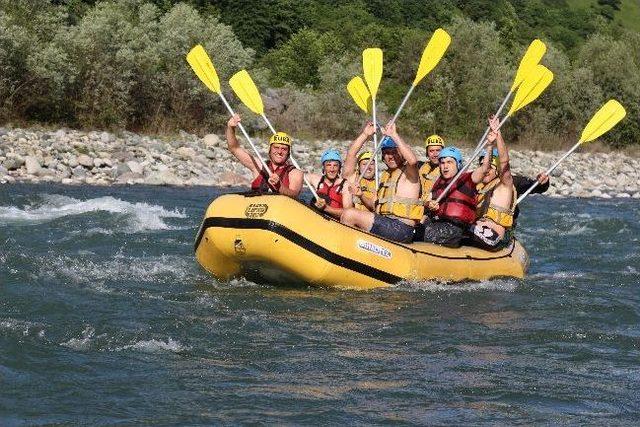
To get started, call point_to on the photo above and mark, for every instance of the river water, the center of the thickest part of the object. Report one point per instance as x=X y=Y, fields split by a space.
x=105 y=318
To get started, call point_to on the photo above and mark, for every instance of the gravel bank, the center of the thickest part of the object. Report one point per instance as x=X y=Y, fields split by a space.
x=101 y=158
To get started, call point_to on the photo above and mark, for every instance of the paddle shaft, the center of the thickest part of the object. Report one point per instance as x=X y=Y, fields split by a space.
x=244 y=132
x=293 y=160
x=466 y=166
x=478 y=148
x=402 y=104
x=548 y=171
x=375 y=138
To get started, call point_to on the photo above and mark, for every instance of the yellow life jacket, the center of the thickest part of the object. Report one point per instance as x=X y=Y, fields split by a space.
x=428 y=175
x=486 y=210
x=368 y=187
x=390 y=204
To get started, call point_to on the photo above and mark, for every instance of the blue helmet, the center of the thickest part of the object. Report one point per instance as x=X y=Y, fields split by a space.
x=494 y=159
x=484 y=153
x=387 y=142
x=331 y=154
x=452 y=152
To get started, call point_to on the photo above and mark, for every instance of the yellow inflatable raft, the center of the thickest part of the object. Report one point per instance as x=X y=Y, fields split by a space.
x=278 y=239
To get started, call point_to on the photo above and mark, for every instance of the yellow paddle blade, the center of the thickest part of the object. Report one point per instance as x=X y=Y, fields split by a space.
x=245 y=89
x=531 y=58
x=433 y=53
x=360 y=94
x=531 y=88
x=607 y=117
x=203 y=67
x=372 y=66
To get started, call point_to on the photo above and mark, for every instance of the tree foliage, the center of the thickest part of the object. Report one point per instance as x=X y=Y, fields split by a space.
x=120 y=63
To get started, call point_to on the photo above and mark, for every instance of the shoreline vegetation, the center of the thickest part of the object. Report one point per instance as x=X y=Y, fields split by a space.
x=102 y=158
x=120 y=64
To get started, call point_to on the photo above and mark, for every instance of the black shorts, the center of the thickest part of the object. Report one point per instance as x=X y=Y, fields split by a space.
x=445 y=233
x=392 y=229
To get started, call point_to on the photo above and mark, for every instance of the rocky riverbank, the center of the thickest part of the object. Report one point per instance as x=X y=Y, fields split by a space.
x=102 y=158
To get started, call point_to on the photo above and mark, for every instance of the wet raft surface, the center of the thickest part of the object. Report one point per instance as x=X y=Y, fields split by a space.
x=105 y=317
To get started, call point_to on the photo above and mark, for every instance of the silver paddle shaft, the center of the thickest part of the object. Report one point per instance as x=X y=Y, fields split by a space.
x=375 y=142
x=548 y=171
x=477 y=150
x=244 y=132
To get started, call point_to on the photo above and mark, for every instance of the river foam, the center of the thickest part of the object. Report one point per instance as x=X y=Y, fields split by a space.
x=139 y=217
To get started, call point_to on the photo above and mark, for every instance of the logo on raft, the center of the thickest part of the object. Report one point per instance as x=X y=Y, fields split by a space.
x=256 y=210
x=373 y=248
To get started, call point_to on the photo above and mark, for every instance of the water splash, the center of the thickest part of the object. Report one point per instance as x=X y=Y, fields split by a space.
x=84 y=342
x=155 y=346
x=121 y=268
x=22 y=327
x=139 y=216
x=506 y=285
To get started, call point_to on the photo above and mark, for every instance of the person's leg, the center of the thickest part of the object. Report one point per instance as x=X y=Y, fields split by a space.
x=392 y=229
x=486 y=238
x=443 y=233
x=357 y=218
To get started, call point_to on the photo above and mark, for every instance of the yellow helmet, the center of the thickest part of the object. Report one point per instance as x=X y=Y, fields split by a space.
x=280 y=138
x=365 y=155
x=434 y=140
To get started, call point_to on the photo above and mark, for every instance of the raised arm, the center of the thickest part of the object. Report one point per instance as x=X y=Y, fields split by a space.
x=481 y=171
x=505 y=169
x=350 y=163
x=407 y=153
x=243 y=156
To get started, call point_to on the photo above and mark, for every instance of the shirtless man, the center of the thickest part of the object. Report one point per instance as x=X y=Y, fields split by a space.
x=361 y=195
x=398 y=208
x=496 y=196
x=281 y=177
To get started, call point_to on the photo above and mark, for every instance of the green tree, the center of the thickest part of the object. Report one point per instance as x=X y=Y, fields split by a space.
x=297 y=60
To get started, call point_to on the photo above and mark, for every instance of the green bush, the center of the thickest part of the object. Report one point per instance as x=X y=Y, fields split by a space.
x=123 y=65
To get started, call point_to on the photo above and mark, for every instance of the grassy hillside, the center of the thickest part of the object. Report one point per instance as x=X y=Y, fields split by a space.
x=628 y=16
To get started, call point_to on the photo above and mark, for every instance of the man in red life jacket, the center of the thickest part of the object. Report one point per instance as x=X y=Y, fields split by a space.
x=281 y=177
x=329 y=185
x=451 y=218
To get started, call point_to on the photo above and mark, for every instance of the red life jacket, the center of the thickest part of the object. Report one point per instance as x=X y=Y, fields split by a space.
x=331 y=193
x=460 y=202
x=261 y=183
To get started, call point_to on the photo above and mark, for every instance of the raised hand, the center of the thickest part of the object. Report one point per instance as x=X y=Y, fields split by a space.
x=234 y=120
x=369 y=129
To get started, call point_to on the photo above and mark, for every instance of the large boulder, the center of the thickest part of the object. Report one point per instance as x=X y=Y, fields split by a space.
x=32 y=165
x=12 y=163
x=162 y=178
x=212 y=140
x=186 y=153
x=85 y=161
x=120 y=169
x=135 y=167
